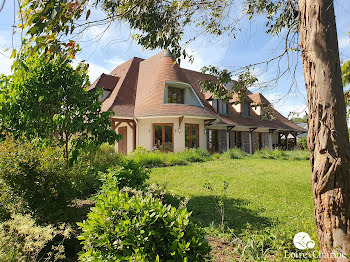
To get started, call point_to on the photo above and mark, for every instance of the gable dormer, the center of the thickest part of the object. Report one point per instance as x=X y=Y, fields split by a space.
x=242 y=104
x=260 y=105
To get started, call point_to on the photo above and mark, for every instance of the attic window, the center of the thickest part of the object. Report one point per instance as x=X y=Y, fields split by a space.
x=176 y=95
x=245 y=110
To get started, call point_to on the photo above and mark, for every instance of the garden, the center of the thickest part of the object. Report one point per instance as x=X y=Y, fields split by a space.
x=150 y=206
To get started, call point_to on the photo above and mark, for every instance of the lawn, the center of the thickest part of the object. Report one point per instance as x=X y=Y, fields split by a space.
x=268 y=201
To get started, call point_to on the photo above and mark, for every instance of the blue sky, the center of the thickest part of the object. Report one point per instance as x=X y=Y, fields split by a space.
x=250 y=46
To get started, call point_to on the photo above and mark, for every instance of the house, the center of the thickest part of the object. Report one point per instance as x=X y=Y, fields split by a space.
x=159 y=105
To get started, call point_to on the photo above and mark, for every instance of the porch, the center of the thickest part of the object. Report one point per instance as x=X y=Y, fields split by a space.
x=249 y=139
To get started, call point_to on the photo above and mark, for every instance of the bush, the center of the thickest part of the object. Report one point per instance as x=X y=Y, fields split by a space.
x=298 y=155
x=302 y=143
x=102 y=158
x=140 y=228
x=22 y=240
x=195 y=155
x=148 y=159
x=282 y=155
x=160 y=159
x=36 y=177
x=130 y=174
x=234 y=153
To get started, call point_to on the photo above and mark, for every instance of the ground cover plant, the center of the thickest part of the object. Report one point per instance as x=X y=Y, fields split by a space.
x=260 y=220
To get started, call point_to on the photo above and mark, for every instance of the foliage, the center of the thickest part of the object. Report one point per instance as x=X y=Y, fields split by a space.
x=34 y=179
x=102 y=158
x=157 y=24
x=300 y=119
x=36 y=175
x=159 y=159
x=282 y=155
x=147 y=158
x=130 y=174
x=346 y=81
x=219 y=87
x=48 y=99
x=279 y=14
x=302 y=143
x=22 y=240
x=234 y=153
x=140 y=228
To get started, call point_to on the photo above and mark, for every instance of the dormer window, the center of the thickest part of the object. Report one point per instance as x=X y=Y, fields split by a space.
x=176 y=95
x=222 y=107
x=245 y=110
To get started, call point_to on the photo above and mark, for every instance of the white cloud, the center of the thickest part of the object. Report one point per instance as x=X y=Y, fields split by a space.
x=5 y=65
x=95 y=71
x=344 y=42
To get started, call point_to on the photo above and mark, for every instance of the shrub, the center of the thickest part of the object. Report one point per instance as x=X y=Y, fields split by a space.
x=36 y=176
x=22 y=240
x=302 y=143
x=102 y=158
x=130 y=174
x=282 y=155
x=148 y=159
x=234 y=153
x=195 y=155
x=140 y=228
x=160 y=159
x=298 y=155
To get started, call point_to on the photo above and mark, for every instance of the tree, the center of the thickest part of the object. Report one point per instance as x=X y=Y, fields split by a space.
x=48 y=99
x=162 y=24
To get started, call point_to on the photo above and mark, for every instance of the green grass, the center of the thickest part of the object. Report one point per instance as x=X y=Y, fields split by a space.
x=268 y=201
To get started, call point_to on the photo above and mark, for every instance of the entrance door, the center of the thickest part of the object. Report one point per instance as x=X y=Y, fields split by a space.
x=123 y=142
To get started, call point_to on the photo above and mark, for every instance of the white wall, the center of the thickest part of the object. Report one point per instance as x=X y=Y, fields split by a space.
x=145 y=132
x=130 y=141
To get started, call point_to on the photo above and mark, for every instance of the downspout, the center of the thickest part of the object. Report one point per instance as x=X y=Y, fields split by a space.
x=136 y=132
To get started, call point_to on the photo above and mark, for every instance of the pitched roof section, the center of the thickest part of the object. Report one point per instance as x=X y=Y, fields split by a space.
x=153 y=74
x=106 y=82
x=137 y=90
x=122 y=81
x=258 y=99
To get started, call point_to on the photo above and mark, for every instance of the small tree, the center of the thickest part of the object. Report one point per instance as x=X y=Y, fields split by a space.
x=48 y=99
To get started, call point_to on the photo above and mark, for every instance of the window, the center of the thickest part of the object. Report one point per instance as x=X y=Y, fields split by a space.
x=245 y=110
x=191 y=135
x=176 y=95
x=163 y=137
x=222 y=107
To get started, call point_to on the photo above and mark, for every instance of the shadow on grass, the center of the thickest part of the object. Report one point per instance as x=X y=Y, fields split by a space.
x=206 y=213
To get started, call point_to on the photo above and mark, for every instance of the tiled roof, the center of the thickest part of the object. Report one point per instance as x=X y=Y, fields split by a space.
x=137 y=90
x=258 y=99
x=154 y=72
x=107 y=82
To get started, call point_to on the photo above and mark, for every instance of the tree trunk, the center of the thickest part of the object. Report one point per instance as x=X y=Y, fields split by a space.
x=328 y=138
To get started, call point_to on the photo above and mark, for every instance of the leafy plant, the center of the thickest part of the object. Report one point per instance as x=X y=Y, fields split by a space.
x=35 y=179
x=48 y=99
x=220 y=200
x=140 y=228
x=130 y=174
x=302 y=143
x=22 y=240
x=234 y=153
